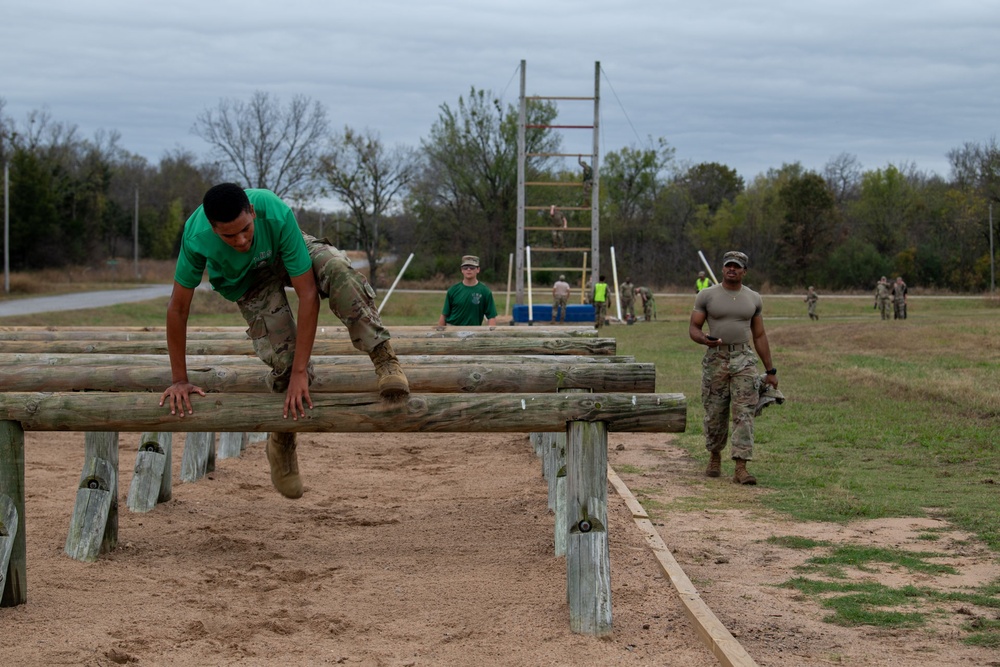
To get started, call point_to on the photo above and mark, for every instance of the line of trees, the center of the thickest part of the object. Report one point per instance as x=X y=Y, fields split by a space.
x=73 y=198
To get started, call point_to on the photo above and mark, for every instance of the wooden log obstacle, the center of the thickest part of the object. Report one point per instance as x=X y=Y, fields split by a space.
x=568 y=396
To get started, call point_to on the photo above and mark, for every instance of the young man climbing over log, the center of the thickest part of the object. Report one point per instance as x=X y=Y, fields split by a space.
x=252 y=247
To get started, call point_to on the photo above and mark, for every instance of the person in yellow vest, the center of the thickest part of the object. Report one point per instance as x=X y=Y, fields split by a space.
x=702 y=282
x=600 y=301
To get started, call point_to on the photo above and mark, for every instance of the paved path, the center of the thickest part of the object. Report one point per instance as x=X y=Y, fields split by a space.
x=47 y=304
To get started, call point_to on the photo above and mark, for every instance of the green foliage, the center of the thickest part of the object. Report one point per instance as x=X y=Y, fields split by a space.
x=856 y=264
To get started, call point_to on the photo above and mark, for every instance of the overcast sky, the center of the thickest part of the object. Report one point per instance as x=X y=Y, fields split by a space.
x=752 y=85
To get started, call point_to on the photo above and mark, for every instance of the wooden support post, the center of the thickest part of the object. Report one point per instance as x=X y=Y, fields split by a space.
x=92 y=514
x=255 y=437
x=588 y=561
x=13 y=573
x=198 y=449
x=556 y=460
x=101 y=445
x=561 y=526
x=231 y=444
x=8 y=532
x=152 y=461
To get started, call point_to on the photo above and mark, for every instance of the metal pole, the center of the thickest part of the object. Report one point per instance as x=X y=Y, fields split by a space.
x=708 y=266
x=993 y=284
x=395 y=282
x=595 y=199
x=6 y=227
x=522 y=113
x=135 y=234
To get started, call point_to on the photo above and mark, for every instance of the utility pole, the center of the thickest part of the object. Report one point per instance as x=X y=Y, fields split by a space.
x=993 y=283
x=6 y=225
x=135 y=234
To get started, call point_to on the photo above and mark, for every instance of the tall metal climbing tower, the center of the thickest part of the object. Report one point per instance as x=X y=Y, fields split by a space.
x=589 y=184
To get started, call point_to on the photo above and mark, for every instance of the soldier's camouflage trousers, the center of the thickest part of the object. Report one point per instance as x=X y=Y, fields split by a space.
x=272 y=325
x=729 y=383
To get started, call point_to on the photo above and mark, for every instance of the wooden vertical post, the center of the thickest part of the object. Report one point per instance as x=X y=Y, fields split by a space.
x=13 y=579
x=231 y=444
x=104 y=445
x=588 y=562
x=152 y=464
x=198 y=450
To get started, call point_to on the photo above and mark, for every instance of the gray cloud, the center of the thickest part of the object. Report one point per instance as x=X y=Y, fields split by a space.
x=751 y=85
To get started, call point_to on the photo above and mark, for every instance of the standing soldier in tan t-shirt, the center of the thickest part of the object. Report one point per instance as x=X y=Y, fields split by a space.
x=560 y=296
x=729 y=381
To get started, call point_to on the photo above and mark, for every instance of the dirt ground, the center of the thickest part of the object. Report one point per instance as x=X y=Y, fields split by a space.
x=411 y=550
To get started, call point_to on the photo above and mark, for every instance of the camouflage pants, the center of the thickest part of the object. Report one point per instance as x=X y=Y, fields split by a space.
x=883 y=307
x=729 y=382
x=600 y=313
x=628 y=308
x=271 y=323
x=899 y=310
x=559 y=308
x=649 y=310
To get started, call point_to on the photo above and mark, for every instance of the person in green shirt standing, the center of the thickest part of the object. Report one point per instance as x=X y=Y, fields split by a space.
x=702 y=282
x=251 y=246
x=468 y=302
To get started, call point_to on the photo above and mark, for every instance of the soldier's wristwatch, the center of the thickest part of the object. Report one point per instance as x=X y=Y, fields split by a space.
x=772 y=371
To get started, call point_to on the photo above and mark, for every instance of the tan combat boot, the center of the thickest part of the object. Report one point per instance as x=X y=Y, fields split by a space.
x=392 y=382
x=741 y=476
x=714 y=468
x=280 y=450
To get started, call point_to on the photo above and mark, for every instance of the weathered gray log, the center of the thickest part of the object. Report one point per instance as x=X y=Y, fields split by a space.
x=146 y=481
x=8 y=533
x=359 y=376
x=122 y=334
x=199 y=449
x=588 y=559
x=348 y=413
x=14 y=587
x=163 y=443
x=92 y=512
x=231 y=444
x=439 y=346
x=71 y=359
x=103 y=445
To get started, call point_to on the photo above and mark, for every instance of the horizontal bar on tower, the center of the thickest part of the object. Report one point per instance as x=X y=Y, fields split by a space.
x=562 y=208
x=557 y=229
x=559 y=127
x=555 y=97
x=559 y=155
x=556 y=184
x=534 y=249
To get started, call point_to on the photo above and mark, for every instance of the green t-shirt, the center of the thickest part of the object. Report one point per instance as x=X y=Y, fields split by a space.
x=277 y=239
x=466 y=306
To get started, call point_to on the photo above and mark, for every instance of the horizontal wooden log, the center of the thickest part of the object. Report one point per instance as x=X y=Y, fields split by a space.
x=438 y=346
x=354 y=377
x=558 y=330
x=348 y=413
x=328 y=360
x=322 y=332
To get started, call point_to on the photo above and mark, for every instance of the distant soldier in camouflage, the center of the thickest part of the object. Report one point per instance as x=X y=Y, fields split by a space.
x=729 y=380
x=252 y=247
x=811 y=299
x=645 y=295
x=560 y=297
x=626 y=292
x=899 y=299
x=883 y=297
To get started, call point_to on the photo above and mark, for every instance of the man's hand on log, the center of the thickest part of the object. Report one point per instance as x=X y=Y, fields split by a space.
x=178 y=397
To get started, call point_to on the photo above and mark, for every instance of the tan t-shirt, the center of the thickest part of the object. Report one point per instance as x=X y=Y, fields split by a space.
x=560 y=288
x=729 y=313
